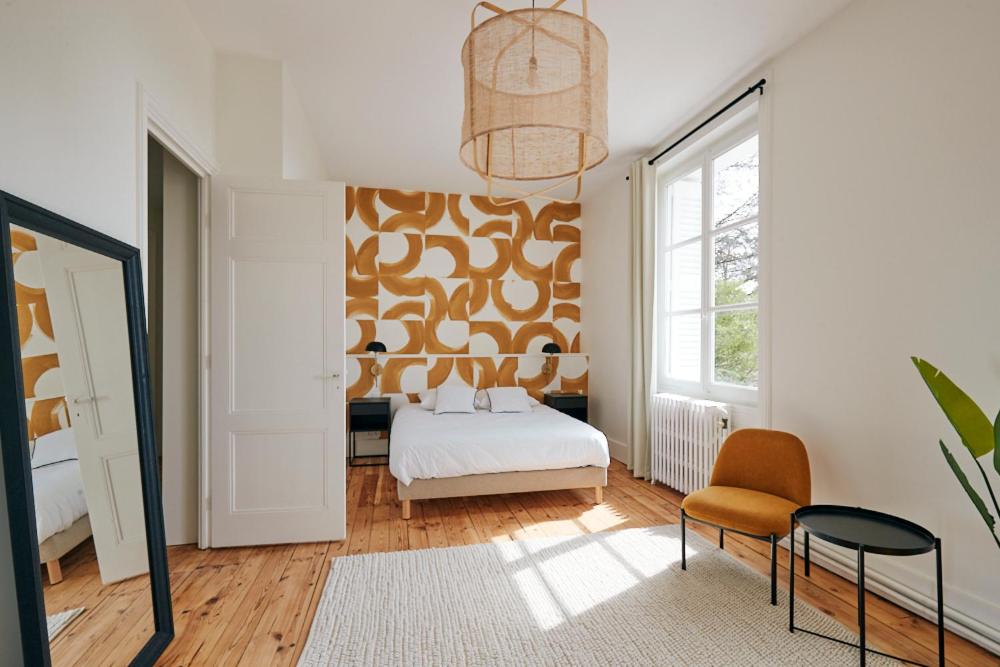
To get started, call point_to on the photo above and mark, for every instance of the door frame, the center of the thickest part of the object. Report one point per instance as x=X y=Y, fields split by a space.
x=152 y=121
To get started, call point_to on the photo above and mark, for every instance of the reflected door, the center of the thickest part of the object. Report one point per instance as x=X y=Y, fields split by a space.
x=277 y=308
x=86 y=296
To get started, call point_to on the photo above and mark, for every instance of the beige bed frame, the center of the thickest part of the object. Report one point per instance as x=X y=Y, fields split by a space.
x=504 y=482
x=57 y=546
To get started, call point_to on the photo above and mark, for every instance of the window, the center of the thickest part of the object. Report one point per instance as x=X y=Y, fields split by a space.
x=707 y=262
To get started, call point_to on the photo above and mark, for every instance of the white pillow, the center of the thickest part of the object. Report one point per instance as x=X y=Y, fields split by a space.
x=455 y=399
x=428 y=398
x=54 y=447
x=509 y=399
x=482 y=400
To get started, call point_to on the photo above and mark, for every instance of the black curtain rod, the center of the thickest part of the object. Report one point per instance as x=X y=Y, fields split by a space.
x=749 y=91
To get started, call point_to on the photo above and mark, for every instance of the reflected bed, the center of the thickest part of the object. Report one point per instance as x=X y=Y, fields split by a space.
x=61 y=516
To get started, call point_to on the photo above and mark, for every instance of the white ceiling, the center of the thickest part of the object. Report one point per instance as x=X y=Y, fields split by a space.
x=381 y=80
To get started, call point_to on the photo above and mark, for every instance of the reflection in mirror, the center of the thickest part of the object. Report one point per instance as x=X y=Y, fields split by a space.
x=84 y=447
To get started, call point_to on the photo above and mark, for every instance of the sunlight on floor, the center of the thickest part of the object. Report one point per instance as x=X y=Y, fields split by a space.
x=601 y=517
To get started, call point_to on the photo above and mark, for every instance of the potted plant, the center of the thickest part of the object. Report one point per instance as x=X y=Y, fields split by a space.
x=980 y=437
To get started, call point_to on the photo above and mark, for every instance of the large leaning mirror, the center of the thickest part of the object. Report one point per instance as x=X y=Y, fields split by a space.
x=77 y=441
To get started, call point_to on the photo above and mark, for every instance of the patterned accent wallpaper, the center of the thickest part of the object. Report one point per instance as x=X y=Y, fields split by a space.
x=44 y=392
x=461 y=291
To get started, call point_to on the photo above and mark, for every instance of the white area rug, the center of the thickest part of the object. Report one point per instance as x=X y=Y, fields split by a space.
x=614 y=598
x=56 y=623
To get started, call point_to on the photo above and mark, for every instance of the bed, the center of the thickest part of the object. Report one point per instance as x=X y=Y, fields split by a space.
x=61 y=516
x=483 y=453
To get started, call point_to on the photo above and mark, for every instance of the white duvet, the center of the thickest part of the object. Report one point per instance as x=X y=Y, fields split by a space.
x=428 y=446
x=59 y=499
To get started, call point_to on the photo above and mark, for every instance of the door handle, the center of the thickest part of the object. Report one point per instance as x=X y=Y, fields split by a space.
x=89 y=399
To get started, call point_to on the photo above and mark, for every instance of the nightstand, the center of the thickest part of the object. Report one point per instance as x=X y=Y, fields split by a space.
x=365 y=415
x=572 y=404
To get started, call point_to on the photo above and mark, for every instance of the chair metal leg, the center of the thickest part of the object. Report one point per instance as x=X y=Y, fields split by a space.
x=774 y=569
x=684 y=564
x=722 y=539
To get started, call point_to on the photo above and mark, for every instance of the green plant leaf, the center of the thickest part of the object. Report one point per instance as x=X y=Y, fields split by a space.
x=996 y=439
x=971 y=423
x=964 y=481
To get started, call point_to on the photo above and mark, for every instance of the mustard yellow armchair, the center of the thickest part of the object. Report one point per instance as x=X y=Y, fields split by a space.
x=759 y=479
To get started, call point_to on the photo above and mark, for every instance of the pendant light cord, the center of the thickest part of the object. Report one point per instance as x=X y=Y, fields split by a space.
x=532 y=29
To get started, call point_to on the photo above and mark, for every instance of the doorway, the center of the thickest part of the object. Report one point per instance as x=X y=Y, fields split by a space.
x=172 y=257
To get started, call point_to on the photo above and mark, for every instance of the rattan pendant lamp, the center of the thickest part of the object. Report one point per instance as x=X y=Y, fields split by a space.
x=536 y=98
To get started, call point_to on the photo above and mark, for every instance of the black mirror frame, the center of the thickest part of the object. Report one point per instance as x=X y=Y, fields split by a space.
x=14 y=429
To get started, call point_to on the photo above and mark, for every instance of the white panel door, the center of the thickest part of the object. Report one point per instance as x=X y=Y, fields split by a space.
x=86 y=294
x=277 y=307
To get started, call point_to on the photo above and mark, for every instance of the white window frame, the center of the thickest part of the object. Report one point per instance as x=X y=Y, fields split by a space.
x=702 y=155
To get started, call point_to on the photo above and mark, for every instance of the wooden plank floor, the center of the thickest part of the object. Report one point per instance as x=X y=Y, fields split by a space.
x=253 y=606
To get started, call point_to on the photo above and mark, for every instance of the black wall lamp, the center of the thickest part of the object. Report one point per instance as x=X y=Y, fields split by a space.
x=549 y=349
x=375 y=348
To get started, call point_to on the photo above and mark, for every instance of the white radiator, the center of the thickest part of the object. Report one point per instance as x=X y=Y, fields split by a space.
x=685 y=436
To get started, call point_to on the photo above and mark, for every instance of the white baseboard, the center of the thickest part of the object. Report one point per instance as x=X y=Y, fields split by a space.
x=903 y=595
x=618 y=450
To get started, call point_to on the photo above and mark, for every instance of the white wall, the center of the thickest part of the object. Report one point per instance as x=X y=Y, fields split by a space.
x=68 y=122
x=884 y=241
x=248 y=116
x=301 y=157
x=262 y=129
x=605 y=308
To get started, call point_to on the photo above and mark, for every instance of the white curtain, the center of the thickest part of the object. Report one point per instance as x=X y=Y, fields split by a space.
x=642 y=285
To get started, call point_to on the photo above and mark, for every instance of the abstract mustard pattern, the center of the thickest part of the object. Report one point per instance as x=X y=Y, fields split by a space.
x=44 y=393
x=434 y=275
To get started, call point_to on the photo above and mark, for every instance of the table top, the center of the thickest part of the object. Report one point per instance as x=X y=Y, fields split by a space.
x=370 y=399
x=854 y=527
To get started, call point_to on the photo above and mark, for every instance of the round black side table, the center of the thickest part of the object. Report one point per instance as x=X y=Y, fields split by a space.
x=865 y=531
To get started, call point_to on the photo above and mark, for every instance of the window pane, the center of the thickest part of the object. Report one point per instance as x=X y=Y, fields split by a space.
x=735 y=254
x=736 y=184
x=736 y=347
x=684 y=277
x=684 y=208
x=685 y=347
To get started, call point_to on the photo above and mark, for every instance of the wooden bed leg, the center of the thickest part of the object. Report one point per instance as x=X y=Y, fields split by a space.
x=406 y=510
x=55 y=572
x=598 y=495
